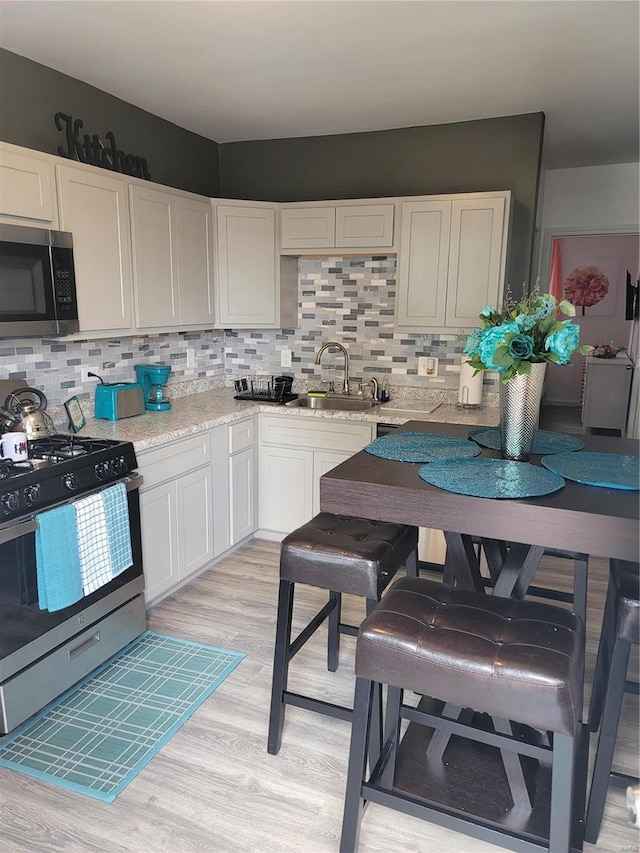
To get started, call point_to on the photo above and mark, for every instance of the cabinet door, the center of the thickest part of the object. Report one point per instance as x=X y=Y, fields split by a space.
x=286 y=488
x=195 y=521
x=195 y=261
x=423 y=263
x=94 y=206
x=308 y=228
x=247 y=296
x=159 y=525
x=242 y=498
x=154 y=257
x=324 y=461
x=364 y=225
x=606 y=394
x=27 y=187
x=475 y=259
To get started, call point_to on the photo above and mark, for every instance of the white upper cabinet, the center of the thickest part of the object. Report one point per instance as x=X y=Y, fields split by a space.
x=423 y=263
x=477 y=254
x=195 y=261
x=155 y=266
x=94 y=207
x=360 y=225
x=172 y=259
x=311 y=228
x=452 y=259
x=308 y=227
x=27 y=187
x=246 y=291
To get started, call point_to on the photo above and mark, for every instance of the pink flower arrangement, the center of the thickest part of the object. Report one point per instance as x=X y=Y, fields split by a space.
x=586 y=286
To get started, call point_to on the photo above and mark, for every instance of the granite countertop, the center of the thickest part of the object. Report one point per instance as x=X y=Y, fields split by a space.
x=197 y=412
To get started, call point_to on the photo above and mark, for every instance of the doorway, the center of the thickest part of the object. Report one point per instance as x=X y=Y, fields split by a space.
x=604 y=258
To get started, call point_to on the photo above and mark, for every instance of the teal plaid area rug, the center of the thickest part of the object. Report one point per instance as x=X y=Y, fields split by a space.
x=98 y=736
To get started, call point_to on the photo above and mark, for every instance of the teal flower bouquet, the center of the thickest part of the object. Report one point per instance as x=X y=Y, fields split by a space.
x=523 y=334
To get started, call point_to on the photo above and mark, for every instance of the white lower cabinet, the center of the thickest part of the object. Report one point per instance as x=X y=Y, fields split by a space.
x=233 y=452
x=242 y=478
x=159 y=522
x=176 y=512
x=323 y=462
x=294 y=454
x=286 y=499
x=242 y=494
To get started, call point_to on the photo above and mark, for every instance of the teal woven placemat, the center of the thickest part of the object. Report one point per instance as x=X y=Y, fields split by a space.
x=608 y=470
x=421 y=447
x=491 y=478
x=544 y=441
x=99 y=735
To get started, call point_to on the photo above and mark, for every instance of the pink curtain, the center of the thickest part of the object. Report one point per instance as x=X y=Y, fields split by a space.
x=555 y=276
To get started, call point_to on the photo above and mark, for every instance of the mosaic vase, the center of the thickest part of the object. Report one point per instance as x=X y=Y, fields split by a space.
x=519 y=412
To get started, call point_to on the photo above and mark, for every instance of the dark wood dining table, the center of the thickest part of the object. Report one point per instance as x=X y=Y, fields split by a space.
x=588 y=519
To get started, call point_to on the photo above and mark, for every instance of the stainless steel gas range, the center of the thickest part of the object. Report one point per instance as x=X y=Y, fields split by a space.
x=43 y=653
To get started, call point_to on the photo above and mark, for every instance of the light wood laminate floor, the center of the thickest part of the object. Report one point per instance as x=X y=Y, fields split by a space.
x=213 y=787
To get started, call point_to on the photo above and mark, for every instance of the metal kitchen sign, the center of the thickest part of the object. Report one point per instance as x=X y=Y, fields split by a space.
x=92 y=150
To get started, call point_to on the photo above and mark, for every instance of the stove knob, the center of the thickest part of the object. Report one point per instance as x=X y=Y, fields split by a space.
x=70 y=481
x=120 y=465
x=32 y=495
x=9 y=502
x=101 y=470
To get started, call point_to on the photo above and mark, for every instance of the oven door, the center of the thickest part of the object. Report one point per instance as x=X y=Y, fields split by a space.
x=43 y=653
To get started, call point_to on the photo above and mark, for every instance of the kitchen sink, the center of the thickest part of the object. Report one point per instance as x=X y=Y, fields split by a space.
x=335 y=403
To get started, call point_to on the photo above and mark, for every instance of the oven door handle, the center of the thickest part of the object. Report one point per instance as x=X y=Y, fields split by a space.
x=30 y=524
x=133 y=482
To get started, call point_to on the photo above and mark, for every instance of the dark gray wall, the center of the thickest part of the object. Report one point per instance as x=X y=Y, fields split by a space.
x=492 y=154
x=31 y=94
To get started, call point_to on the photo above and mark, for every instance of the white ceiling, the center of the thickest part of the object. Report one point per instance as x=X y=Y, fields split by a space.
x=241 y=69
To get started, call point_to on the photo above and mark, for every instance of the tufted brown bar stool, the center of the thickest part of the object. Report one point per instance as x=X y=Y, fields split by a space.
x=342 y=555
x=520 y=662
x=620 y=630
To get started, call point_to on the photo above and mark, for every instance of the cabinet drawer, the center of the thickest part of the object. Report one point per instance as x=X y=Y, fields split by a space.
x=315 y=434
x=312 y=227
x=241 y=435
x=173 y=459
x=364 y=225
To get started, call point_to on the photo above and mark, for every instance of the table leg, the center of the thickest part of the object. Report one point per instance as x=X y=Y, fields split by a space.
x=462 y=561
x=518 y=570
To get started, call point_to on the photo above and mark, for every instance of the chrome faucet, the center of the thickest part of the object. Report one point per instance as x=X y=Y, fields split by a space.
x=375 y=390
x=335 y=345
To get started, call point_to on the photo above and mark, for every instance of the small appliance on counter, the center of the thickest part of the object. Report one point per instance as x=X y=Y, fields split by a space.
x=117 y=400
x=24 y=412
x=153 y=378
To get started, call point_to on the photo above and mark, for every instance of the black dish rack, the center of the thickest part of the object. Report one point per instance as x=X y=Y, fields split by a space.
x=265 y=389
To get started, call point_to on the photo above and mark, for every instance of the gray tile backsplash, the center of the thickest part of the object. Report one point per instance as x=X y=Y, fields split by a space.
x=350 y=300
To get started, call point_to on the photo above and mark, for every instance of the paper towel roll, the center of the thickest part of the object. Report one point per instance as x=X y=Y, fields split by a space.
x=470 y=388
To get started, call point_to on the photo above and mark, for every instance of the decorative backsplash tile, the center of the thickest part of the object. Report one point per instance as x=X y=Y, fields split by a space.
x=349 y=300
x=59 y=367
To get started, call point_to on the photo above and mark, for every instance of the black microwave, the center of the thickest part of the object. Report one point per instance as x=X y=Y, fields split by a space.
x=37 y=283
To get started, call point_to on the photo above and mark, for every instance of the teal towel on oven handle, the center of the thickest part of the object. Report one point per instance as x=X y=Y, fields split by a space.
x=58 y=559
x=116 y=512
